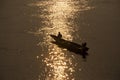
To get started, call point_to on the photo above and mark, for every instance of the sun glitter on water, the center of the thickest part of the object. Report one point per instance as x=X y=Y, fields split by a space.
x=57 y=17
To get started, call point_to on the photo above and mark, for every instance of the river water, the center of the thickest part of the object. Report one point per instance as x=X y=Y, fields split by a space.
x=58 y=16
x=26 y=51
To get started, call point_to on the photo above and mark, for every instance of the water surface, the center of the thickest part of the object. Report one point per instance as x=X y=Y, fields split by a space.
x=26 y=52
x=58 y=16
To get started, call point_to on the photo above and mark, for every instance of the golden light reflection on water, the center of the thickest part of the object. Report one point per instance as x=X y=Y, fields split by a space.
x=57 y=61
x=57 y=16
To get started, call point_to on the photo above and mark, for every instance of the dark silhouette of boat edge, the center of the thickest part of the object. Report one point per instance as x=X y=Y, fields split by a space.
x=70 y=46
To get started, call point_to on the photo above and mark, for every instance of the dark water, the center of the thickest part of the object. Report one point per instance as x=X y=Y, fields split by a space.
x=26 y=52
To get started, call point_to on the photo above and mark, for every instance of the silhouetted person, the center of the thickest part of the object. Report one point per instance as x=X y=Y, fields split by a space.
x=59 y=35
x=84 y=44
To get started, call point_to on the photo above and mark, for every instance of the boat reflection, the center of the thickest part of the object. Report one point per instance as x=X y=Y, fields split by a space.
x=57 y=16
